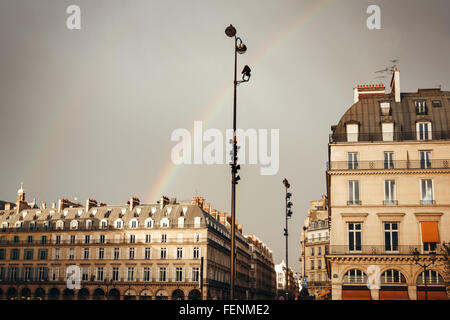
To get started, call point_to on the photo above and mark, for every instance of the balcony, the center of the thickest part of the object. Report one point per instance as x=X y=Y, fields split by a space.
x=354 y=203
x=397 y=136
x=389 y=165
x=426 y=202
x=378 y=249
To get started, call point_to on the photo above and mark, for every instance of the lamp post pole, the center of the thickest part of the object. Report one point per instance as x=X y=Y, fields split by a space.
x=424 y=266
x=240 y=48
x=288 y=215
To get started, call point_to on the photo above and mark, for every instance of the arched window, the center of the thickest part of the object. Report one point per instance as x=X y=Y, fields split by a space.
x=118 y=224
x=134 y=223
x=393 y=276
x=355 y=276
x=149 y=223
x=59 y=225
x=104 y=224
x=74 y=224
x=433 y=277
x=180 y=222
x=197 y=221
x=164 y=223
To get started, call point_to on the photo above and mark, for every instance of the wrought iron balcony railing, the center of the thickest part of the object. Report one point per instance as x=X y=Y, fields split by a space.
x=394 y=136
x=389 y=165
x=379 y=249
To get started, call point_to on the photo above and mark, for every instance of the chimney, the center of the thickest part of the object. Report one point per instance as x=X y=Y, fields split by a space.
x=207 y=207
x=239 y=227
x=43 y=205
x=367 y=90
x=395 y=85
x=53 y=205
x=134 y=201
x=164 y=200
x=90 y=203
x=60 y=205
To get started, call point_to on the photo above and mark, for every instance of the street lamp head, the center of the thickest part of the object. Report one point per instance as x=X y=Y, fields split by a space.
x=246 y=73
x=230 y=31
x=241 y=48
x=286 y=183
x=288 y=195
x=416 y=255
x=289 y=204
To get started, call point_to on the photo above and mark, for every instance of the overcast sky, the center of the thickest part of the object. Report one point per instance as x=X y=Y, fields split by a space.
x=90 y=112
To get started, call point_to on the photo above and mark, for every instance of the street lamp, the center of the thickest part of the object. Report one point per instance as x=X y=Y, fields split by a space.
x=288 y=216
x=241 y=48
x=424 y=266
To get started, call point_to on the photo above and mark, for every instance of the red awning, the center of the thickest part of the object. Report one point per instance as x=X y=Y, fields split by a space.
x=430 y=231
x=432 y=295
x=394 y=295
x=356 y=295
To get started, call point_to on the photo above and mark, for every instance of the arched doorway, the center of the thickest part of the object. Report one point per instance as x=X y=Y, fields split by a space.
x=354 y=285
x=53 y=294
x=161 y=295
x=25 y=294
x=178 y=295
x=99 y=294
x=114 y=294
x=11 y=294
x=431 y=286
x=393 y=286
x=145 y=295
x=130 y=294
x=68 y=294
x=194 y=295
x=83 y=294
x=39 y=294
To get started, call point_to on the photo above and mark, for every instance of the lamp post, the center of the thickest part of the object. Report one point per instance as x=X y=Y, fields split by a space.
x=288 y=216
x=424 y=266
x=239 y=47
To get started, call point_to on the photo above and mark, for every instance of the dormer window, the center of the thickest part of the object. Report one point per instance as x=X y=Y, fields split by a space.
x=153 y=210
x=93 y=212
x=164 y=223
x=149 y=223
x=184 y=211
x=352 y=132
x=423 y=130
x=65 y=213
x=107 y=213
x=104 y=224
x=385 y=108
x=168 y=211
x=80 y=212
x=119 y=224
x=59 y=225
x=421 y=106
x=74 y=225
x=123 y=212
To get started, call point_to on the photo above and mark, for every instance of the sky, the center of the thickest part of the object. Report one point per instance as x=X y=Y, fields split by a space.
x=90 y=112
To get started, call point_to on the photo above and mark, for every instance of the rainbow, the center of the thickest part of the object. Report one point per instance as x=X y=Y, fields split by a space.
x=170 y=170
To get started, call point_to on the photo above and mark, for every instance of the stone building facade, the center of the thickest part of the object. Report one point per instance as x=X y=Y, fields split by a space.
x=387 y=181
x=165 y=250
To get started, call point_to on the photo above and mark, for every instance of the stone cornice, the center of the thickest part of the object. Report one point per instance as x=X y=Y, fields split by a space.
x=386 y=172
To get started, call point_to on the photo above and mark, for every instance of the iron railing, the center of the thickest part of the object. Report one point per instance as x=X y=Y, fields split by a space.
x=395 y=136
x=380 y=249
x=389 y=165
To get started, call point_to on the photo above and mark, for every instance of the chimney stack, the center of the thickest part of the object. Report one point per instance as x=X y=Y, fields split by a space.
x=90 y=203
x=395 y=85
x=134 y=201
x=44 y=205
x=53 y=205
x=164 y=200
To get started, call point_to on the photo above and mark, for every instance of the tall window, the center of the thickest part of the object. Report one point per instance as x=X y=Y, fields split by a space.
x=179 y=274
x=86 y=253
x=389 y=192
x=14 y=254
x=195 y=274
x=353 y=192
x=57 y=253
x=196 y=253
x=393 y=276
x=130 y=276
x=132 y=238
x=163 y=253
x=312 y=251
x=85 y=271
x=164 y=238
x=42 y=254
x=163 y=274
x=87 y=239
x=115 y=274
x=391 y=236
x=27 y=274
x=179 y=253
x=354 y=236
x=131 y=253
x=426 y=191
x=116 y=253
x=148 y=238
x=71 y=253
x=423 y=130
x=352 y=132
x=102 y=238
x=148 y=253
x=421 y=107
x=101 y=253
x=146 y=276
x=352 y=160
x=425 y=159
x=28 y=254
x=99 y=273
x=389 y=160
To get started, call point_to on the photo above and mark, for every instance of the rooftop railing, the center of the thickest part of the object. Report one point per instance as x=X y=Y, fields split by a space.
x=389 y=136
x=389 y=165
x=379 y=249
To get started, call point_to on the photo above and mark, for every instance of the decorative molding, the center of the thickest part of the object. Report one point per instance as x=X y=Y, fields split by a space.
x=354 y=214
